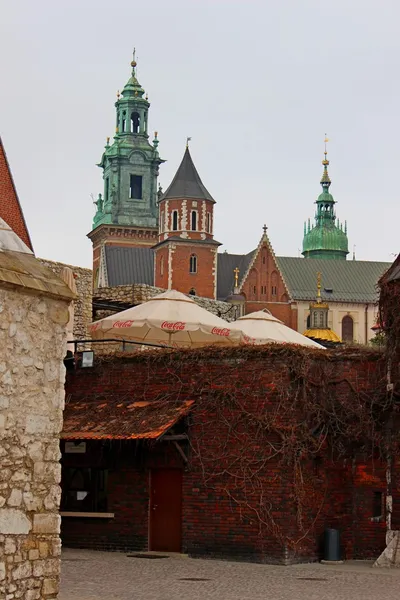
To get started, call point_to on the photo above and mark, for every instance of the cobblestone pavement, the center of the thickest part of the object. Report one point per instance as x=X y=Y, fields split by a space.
x=88 y=575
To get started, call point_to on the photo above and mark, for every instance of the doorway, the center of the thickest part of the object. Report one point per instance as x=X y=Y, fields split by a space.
x=165 y=533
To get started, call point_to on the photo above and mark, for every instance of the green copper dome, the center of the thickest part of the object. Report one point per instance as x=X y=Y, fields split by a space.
x=327 y=238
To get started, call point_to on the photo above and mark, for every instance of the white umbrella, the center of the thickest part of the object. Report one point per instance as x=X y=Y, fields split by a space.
x=262 y=327
x=170 y=318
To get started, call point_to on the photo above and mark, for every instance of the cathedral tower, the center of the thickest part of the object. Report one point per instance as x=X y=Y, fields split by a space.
x=186 y=254
x=127 y=212
x=327 y=238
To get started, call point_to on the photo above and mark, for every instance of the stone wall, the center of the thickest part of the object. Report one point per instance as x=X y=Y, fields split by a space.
x=32 y=339
x=83 y=305
x=138 y=293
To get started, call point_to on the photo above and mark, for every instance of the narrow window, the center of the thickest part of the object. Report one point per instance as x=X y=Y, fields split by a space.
x=193 y=264
x=308 y=322
x=315 y=319
x=136 y=187
x=162 y=222
x=273 y=290
x=123 y=122
x=255 y=290
x=377 y=508
x=347 y=329
x=263 y=260
x=194 y=220
x=107 y=189
x=175 y=220
x=135 y=122
x=208 y=226
x=321 y=320
x=162 y=266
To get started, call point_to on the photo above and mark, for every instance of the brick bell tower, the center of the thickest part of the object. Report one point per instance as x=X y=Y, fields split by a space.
x=186 y=254
x=127 y=211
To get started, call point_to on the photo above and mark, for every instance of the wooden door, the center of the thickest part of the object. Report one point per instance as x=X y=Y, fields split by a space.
x=166 y=510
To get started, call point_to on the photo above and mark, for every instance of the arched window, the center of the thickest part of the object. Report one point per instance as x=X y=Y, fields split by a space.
x=347 y=329
x=194 y=220
x=123 y=121
x=308 y=321
x=192 y=292
x=135 y=122
x=162 y=266
x=193 y=264
x=175 y=220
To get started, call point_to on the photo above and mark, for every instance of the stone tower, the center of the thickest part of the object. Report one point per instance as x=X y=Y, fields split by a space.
x=127 y=212
x=186 y=254
x=327 y=238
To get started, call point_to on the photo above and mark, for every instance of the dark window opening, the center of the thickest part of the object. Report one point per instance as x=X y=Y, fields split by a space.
x=192 y=292
x=175 y=220
x=136 y=187
x=84 y=490
x=377 y=505
x=123 y=122
x=135 y=122
x=194 y=220
x=347 y=329
x=107 y=189
x=255 y=289
x=193 y=264
x=208 y=223
x=308 y=321
x=274 y=290
x=162 y=266
x=263 y=260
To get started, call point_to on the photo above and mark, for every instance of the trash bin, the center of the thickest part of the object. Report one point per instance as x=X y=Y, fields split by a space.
x=332 y=545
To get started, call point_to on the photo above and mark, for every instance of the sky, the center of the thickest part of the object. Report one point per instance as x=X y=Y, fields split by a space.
x=256 y=84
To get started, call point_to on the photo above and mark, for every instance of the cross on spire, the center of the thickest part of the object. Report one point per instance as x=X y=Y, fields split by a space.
x=265 y=229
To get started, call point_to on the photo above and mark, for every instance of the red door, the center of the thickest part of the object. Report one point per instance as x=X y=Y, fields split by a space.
x=166 y=510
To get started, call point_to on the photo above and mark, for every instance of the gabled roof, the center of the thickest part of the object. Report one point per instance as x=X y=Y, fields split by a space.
x=349 y=280
x=187 y=182
x=127 y=265
x=10 y=208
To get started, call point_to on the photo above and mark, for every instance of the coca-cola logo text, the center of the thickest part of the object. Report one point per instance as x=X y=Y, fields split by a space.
x=177 y=326
x=122 y=324
x=220 y=331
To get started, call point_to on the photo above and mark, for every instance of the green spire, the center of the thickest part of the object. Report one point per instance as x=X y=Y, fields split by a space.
x=130 y=164
x=327 y=238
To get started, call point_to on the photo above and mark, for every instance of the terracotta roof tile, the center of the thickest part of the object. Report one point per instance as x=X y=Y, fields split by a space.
x=120 y=419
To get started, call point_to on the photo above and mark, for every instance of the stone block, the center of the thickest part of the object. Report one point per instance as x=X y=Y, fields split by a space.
x=15 y=498
x=46 y=523
x=2 y=571
x=50 y=586
x=43 y=549
x=22 y=571
x=13 y=521
x=33 y=554
x=10 y=547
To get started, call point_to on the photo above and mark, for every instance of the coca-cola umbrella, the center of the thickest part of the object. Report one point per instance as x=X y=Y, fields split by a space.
x=170 y=318
x=262 y=327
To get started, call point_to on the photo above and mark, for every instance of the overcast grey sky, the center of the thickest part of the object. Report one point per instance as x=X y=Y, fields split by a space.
x=256 y=84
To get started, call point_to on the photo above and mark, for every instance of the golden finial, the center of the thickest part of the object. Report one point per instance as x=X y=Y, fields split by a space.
x=116 y=130
x=134 y=63
x=156 y=134
x=118 y=94
x=108 y=140
x=318 y=287
x=325 y=162
x=236 y=271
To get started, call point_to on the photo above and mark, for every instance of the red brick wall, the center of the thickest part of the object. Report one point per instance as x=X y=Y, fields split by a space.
x=185 y=208
x=340 y=494
x=182 y=280
x=10 y=209
x=265 y=288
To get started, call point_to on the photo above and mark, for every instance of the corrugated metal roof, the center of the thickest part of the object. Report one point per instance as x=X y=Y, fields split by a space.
x=227 y=263
x=129 y=265
x=100 y=418
x=187 y=182
x=350 y=281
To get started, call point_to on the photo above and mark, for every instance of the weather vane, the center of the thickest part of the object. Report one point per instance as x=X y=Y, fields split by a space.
x=188 y=139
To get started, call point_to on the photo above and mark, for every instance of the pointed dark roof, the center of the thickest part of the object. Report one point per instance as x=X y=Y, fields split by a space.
x=187 y=182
